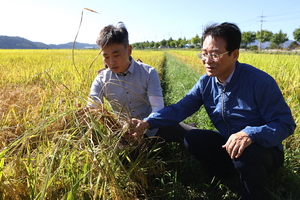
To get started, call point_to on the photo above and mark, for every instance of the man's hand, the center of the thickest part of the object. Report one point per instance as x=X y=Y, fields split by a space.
x=236 y=144
x=138 y=127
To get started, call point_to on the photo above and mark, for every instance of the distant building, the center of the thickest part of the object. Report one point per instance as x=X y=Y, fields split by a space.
x=89 y=47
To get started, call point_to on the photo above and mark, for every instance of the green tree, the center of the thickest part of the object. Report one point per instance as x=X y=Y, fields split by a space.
x=170 y=40
x=179 y=40
x=173 y=44
x=196 y=40
x=248 y=37
x=163 y=43
x=184 y=41
x=264 y=36
x=296 y=34
x=152 y=44
x=147 y=44
x=179 y=43
x=279 y=38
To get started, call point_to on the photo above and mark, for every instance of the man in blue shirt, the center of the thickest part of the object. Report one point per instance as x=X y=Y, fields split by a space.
x=246 y=107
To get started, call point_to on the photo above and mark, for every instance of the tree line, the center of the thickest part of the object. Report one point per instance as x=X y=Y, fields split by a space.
x=276 y=40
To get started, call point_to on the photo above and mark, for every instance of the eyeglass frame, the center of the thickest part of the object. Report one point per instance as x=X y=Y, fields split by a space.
x=209 y=56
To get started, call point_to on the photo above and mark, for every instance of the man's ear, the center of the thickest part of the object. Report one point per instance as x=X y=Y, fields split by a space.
x=129 y=49
x=235 y=54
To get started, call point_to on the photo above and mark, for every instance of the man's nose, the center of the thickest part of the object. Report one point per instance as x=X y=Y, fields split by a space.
x=112 y=61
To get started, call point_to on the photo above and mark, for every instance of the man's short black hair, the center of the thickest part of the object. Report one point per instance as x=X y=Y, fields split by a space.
x=228 y=31
x=113 y=35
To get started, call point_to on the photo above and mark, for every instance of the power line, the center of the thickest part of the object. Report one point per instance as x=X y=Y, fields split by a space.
x=282 y=14
x=276 y=15
x=284 y=8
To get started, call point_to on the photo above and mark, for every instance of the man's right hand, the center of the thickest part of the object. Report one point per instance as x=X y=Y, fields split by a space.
x=140 y=125
x=138 y=128
x=237 y=143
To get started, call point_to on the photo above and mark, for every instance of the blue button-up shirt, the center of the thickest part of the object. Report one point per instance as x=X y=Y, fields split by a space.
x=251 y=102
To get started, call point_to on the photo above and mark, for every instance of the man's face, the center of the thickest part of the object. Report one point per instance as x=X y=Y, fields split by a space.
x=116 y=57
x=225 y=65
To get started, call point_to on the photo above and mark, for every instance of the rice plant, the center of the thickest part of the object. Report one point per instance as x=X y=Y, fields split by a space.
x=54 y=148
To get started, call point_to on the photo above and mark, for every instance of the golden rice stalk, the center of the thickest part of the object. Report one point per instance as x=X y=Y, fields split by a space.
x=90 y=10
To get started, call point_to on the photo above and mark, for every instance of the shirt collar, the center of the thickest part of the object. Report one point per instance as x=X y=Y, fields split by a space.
x=227 y=80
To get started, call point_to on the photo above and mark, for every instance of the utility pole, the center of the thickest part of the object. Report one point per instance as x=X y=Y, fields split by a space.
x=261 y=21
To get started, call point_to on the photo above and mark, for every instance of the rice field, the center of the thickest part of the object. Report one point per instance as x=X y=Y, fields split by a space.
x=48 y=152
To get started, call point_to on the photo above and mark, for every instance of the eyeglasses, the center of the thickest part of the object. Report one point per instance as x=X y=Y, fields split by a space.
x=213 y=57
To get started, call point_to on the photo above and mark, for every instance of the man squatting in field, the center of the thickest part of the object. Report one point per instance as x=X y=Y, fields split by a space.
x=132 y=88
x=246 y=107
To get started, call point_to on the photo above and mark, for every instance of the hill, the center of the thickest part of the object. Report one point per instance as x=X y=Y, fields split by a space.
x=9 y=42
x=267 y=44
x=70 y=44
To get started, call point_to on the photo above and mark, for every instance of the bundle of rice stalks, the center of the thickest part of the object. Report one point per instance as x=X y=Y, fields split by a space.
x=78 y=154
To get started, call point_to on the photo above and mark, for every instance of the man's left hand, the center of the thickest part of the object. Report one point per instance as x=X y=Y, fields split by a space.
x=236 y=144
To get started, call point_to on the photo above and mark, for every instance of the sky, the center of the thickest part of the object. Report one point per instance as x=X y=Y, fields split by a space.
x=57 y=21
